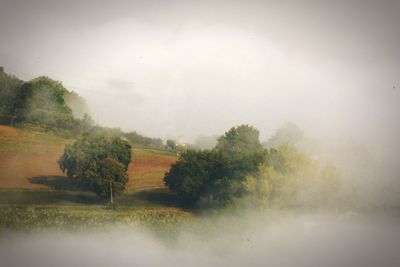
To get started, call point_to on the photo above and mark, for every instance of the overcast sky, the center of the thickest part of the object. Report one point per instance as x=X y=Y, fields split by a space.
x=171 y=68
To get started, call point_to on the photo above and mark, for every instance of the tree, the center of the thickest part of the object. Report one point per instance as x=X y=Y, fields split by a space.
x=107 y=176
x=241 y=151
x=192 y=175
x=41 y=101
x=241 y=139
x=292 y=178
x=215 y=175
x=145 y=141
x=239 y=168
x=170 y=145
x=99 y=161
x=9 y=87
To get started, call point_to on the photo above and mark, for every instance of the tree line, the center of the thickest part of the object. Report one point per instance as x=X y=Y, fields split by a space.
x=240 y=170
x=46 y=103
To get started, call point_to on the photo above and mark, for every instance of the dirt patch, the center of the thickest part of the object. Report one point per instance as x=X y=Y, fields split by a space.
x=7 y=133
x=17 y=168
x=147 y=172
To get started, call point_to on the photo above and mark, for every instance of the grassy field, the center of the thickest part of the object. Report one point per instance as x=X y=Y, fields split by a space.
x=29 y=174
x=72 y=218
x=27 y=158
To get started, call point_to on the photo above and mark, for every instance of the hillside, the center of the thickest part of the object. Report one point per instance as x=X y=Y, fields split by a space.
x=28 y=161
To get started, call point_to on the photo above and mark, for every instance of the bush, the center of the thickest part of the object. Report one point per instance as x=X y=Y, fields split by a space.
x=101 y=162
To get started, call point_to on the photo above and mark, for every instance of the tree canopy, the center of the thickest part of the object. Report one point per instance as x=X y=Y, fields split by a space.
x=241 y=139
x=41 y=101
x=212 y=175
x=9 y=86
x=98 y=160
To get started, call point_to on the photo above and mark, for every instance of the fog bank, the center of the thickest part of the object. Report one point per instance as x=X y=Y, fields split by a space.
x=288 y=239
x=184 y=68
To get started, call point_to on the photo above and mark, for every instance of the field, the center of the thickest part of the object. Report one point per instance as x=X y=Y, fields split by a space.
x=72 y=218
x=29 y=174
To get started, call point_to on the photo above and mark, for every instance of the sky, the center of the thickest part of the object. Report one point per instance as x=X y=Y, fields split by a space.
x=185 y=68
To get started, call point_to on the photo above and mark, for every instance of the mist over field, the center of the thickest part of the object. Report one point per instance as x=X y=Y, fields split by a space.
x=283 y=239
x=167 y=68
x=323 y=76
x=180 y=69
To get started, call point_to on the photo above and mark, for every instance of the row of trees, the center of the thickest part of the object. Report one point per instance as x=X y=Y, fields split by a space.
x=145 y=141
x=47 y=103
x=239 y=168
x=43 y=102
x=9 y=86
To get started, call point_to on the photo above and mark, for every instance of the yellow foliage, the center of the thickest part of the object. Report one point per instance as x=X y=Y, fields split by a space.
x=302 y=182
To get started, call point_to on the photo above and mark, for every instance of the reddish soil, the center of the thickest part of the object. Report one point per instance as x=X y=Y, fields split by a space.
x=8 y=132
x=23 y=157
x=16 y=169
x=148 y=172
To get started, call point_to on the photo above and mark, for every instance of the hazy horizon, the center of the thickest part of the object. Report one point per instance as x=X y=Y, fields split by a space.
x=194 y=69
x=172 y=68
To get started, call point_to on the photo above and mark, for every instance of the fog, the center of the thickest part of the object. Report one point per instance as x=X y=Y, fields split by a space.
x=193 y=69
x=288 y=239
x=184 y=68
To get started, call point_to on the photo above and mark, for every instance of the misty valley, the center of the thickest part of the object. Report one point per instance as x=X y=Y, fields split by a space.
x=187 y=133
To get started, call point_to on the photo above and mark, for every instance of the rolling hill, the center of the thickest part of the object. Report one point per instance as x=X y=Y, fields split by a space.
x=28 y=161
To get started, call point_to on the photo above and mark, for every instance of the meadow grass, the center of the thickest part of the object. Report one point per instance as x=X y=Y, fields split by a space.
x=80 y=217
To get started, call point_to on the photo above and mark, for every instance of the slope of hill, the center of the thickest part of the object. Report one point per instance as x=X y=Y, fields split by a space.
x=28 y=161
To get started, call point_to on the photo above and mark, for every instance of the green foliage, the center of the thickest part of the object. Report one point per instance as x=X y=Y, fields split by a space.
x=241 y=139
x=214 y=176
x=47 y=104
x=290 y=178
x=192 y=175
x=9 y=87
x=41 y=101
x=238 y=168
x=106 y=174
x=139 y=139
x=99 y=161
x=36 y=218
